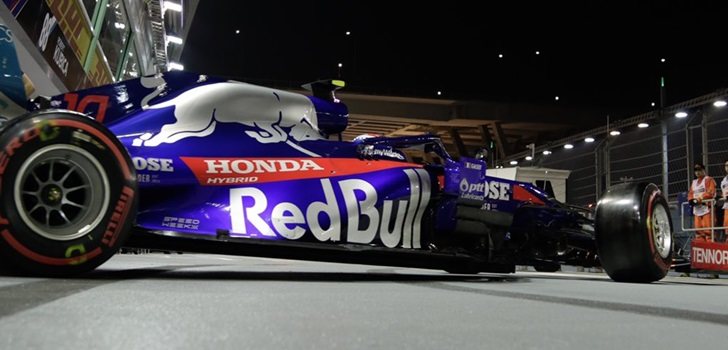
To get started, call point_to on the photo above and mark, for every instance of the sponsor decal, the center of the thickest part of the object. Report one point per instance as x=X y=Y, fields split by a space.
x=270 y=116
x=464 y=185
x=231 y=171
x=153 y=164
x=49 y=130
x=81 y=249
x=709 y=256
x=374 y=152
x=118 y=217
x=73 y=24
x=395 y=223
x=521 y=194
x=48 y=24
x=469 y=165
x=47 y=28
x=6 y=34
x=157 y=84
x=184 y=223
x=80 y=136
x=485 y=190
x=13 y=145
x=59 y=57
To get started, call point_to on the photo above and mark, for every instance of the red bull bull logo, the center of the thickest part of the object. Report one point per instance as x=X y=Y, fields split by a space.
x=273 y=116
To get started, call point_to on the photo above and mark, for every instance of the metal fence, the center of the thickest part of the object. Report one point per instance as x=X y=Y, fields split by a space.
x=662 y=151
x=582 y=162
x=659 y=147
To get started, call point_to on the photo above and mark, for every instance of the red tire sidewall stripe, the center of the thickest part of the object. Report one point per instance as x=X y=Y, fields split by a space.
x=25 y=251
x=129 y=193
x=122 y=160
x=650 y=233
x=650 y=229
x=20 y=248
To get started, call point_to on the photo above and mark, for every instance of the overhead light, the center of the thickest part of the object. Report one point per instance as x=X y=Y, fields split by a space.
x=174 y=39
x=237 y=31
x=652 y=104
x=568 y=146
x=348 y=32
x=546 y=152
x=556 y=98
x=500 y=55
x=662 y=60
x=589 y=140
x=529 y=158
x=643 y=125
x=514 y=162
x=172 y=6
x=615 y=133
x=119 y=25
x=681 y=114
x=439 y=93
x=538 y=52
x=175 y=66
x=341 y=65
x=719 y=103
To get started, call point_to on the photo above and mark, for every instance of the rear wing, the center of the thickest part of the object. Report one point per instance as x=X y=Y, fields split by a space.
x=13 y=99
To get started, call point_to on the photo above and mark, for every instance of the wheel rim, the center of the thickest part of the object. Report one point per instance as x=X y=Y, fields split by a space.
x=61 y=192
x=661 y=232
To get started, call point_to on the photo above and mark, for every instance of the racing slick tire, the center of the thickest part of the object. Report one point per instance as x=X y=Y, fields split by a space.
x=634 y=233
x=68 y=194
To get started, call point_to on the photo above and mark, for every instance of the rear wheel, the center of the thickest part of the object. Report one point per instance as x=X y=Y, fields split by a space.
x=634 y=233
x=68 y=192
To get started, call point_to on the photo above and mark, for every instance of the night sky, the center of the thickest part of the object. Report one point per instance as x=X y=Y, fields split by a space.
x=602 y=55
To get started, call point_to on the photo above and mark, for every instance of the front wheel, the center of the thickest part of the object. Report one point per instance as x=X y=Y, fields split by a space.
x=634 y=233
x=68 y=193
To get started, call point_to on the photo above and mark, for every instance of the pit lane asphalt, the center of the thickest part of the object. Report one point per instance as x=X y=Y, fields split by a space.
x=195 y=301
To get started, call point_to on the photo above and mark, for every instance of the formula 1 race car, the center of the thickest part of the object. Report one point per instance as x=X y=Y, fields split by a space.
x=189 y=162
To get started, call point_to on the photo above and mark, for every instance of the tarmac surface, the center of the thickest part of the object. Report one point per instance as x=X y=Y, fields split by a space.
x=197 y=301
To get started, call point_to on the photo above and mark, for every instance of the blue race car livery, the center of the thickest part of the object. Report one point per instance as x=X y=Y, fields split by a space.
x=190 y=162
